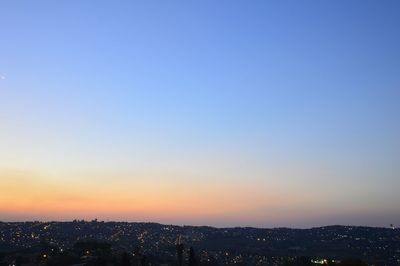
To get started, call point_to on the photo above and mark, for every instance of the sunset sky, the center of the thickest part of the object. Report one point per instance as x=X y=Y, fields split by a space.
x=223 y=113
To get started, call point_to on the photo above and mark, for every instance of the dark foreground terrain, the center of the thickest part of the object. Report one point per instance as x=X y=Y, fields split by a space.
x=120 y=243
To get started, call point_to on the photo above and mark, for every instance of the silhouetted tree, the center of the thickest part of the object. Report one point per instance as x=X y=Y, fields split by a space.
x=125 y=260
x=144 y=261
x=352 y=262
x=100 y=262
x=137 y=257
x=179 y=251
x=62 y=260
x=300 y=261
x=18 y=261
x=192 y=257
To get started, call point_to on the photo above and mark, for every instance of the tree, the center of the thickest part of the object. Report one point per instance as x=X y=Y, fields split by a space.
x=179 y=250
x=125 y=260
x=179 y=253
x=192 y=257
x=352 y=262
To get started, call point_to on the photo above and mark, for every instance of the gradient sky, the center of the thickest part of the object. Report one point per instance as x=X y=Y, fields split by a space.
x=226 y=113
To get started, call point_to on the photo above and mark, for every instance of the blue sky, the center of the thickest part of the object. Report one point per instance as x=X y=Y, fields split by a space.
x=292 y=98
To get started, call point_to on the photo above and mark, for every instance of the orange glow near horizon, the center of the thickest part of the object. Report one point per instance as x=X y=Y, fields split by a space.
x=26 y=195
x=29 y=196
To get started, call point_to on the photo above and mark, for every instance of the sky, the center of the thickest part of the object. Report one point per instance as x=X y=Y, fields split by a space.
x=222 y=113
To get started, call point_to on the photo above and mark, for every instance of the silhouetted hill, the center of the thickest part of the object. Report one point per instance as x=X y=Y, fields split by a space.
x=224 y=245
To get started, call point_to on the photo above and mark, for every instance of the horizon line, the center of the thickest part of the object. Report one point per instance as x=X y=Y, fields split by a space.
x=191 y=225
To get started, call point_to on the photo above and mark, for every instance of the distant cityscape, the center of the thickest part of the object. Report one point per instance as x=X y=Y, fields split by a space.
x=122 y=243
